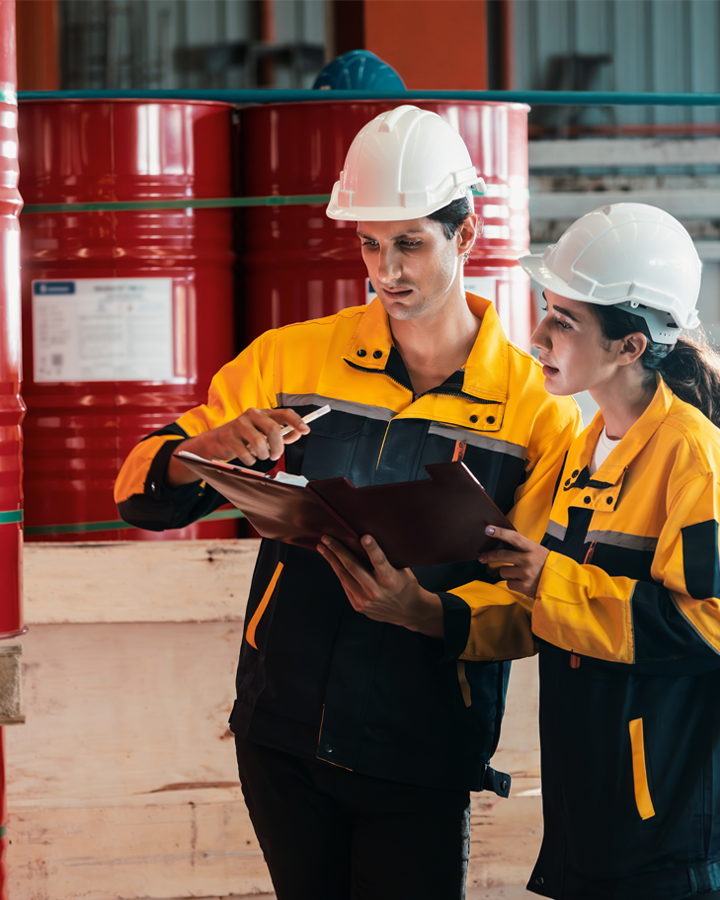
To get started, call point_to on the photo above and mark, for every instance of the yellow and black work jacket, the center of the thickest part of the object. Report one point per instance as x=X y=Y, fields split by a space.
x=315 y=677
x=628 y=618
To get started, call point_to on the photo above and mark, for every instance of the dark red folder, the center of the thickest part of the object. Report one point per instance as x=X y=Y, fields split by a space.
x=440 y=519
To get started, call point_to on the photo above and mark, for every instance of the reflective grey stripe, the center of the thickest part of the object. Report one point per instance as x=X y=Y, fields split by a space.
x=555 y=530
x=687 y=618
x=357 y=409
x=618 y=539
x=478 y=440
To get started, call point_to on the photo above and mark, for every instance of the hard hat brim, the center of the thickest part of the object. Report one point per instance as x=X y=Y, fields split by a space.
x=396 y=213
x=535 y=266
x=382 y=213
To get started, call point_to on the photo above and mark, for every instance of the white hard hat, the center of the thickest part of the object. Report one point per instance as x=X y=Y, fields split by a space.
x=404 y=164
x=630 y=255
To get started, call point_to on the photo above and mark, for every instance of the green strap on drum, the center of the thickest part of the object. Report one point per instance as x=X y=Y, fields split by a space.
x=206 y=203
x=112 y=525
x=11 y=515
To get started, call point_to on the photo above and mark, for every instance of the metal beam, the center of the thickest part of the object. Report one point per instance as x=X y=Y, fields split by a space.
x=611 y=152
x=685 y=204
x=538 y=98
x=708 y=251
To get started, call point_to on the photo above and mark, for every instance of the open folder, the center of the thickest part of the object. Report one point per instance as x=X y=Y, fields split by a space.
x=440 y=519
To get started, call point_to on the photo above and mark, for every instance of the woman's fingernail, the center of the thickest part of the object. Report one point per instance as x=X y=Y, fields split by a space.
x=489 y=530
x=482 y=558
x=367 y=540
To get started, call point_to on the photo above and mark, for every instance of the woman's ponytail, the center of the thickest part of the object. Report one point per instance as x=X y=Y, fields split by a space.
x=690 y=368
x=692 y=372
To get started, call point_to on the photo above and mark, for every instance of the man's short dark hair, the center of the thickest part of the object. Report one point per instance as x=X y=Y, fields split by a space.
x=452 y=216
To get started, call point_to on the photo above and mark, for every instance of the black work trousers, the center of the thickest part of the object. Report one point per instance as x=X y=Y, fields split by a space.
x=331 y=834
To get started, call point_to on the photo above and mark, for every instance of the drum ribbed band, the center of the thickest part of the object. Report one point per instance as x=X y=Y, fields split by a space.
x=204 y=203
x=11 y=515
x=117 y=524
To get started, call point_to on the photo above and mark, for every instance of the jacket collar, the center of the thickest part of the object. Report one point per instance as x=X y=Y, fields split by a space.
x=611 y=472
x=487 y=370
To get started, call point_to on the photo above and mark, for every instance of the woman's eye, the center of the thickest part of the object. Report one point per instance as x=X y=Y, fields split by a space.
x=566 y=325
x=368 y=244
x=410 y=245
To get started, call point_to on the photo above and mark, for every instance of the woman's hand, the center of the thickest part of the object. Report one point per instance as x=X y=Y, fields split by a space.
x=385 y=594
x=521 y=567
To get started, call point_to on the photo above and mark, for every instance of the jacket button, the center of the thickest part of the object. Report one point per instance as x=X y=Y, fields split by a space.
x=377 y=354
x=586 y=499
x=490 y=419
x=575 y=473
x=609 y=501
x=503 y=785
x=362 y=352
x=473 y=418
x=328 y=748
x=152 y=486
x=539 y=881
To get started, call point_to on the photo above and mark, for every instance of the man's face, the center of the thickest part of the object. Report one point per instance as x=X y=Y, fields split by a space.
x=411 y=264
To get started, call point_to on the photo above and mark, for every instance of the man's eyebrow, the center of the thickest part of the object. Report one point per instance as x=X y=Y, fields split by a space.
x=567 y=313
x=395 y=237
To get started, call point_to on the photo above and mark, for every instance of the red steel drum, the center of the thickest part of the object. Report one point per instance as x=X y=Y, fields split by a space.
x=12 y=408
x=126 y=315
x=298 y=264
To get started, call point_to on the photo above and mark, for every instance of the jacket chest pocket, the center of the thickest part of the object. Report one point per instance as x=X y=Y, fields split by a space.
x=331 y=446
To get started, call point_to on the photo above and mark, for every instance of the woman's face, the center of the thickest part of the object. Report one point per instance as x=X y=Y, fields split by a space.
x=574 y=355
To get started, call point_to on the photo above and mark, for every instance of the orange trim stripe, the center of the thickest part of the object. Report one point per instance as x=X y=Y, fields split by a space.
x=258 y=614
x=642 y=789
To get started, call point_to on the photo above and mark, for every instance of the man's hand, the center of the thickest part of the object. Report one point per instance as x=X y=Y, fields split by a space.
x=386 y=594
x=521 y=567
x=256 y=434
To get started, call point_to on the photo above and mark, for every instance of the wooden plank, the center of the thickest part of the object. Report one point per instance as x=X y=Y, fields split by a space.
x=192 y=848
x=138 y=581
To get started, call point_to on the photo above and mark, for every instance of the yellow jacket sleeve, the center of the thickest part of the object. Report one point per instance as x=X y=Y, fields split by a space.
x=143 y=498
x=583 y=609
x=500 y=622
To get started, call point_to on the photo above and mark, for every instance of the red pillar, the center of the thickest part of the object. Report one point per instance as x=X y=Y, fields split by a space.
x=433 y=45
x=38 y=55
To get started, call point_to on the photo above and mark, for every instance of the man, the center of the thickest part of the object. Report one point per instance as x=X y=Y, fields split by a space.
x=358 y=741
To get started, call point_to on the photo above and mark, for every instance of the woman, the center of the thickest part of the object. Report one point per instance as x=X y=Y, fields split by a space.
x=623 y=591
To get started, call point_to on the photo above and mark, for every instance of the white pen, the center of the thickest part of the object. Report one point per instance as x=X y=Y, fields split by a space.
x=310 y=417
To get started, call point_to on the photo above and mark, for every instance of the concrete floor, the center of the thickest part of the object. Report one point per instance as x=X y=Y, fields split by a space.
x=506 y=833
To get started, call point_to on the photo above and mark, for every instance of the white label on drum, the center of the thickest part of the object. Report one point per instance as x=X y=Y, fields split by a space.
x=103 y=329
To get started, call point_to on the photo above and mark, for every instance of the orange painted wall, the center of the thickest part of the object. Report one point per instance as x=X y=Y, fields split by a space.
x=433 y=44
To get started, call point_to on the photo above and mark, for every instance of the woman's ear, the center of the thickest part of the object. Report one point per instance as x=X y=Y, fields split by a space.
x=633 y=347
